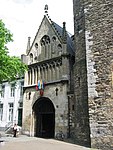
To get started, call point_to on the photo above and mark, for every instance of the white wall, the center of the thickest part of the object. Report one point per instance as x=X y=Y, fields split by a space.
x=8 y=99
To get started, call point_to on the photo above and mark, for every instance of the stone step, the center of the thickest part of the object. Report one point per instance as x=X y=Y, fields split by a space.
x=3 y=134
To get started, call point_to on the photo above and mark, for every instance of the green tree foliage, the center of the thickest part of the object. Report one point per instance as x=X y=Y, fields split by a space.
x=11 y=67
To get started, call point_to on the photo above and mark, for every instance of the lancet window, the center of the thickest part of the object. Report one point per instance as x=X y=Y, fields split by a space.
x=45 y=42
x=31 y=57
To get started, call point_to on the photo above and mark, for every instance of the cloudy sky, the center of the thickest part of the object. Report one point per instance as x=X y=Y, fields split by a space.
x=23 y=17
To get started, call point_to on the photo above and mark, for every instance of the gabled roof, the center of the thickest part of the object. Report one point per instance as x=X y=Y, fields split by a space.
x=70 y=45
x=58 y=30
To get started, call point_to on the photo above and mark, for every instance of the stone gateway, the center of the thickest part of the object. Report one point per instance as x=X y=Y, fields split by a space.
x=48 y=105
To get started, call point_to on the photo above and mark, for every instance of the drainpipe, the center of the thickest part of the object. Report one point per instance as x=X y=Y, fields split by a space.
x=68 y=116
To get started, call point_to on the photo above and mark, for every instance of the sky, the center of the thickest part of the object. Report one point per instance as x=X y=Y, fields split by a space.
x=23 y=18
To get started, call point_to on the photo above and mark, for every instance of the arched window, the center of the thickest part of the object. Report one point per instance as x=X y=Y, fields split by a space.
x=31 y=57
x=59 y=46
x=53 y=38
x=45 y=41
x=36 y=52
x=36 y=45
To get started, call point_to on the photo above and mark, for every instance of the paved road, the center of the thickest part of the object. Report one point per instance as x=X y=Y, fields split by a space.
x=32 y=143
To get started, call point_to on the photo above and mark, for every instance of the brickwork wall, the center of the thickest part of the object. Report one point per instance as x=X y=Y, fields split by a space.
x=82 y=133
x=98 y=29
x=99 y=21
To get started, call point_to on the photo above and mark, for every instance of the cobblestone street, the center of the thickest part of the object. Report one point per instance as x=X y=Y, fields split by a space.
x=32 y=143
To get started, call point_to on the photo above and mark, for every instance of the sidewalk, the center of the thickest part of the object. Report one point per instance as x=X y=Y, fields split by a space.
x=27 y=143
x=14 y=139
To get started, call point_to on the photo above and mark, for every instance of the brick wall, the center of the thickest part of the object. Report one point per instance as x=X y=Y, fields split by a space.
x=82 y=132
x=95 y=22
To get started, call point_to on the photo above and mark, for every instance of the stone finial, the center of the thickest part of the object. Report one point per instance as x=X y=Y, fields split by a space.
x=64 y=33
x=46 y=9
x=64 y=24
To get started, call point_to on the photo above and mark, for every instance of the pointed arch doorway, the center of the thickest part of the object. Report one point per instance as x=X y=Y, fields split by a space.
x=44 y=118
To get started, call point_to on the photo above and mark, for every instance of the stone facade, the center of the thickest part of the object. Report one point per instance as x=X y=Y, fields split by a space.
x=93 y=22
x=82 y=132
x=50 y=60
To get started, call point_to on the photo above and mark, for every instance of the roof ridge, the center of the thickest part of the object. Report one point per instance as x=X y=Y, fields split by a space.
x=53 y=25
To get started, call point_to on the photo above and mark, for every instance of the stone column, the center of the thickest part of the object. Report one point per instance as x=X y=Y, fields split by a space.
x=50 y=72
x=57 y=71
x=47 y=72
x=49 y=51
x=43 y=68
x=42 y=73
x=54 y=71
x=26 y=78
x=39 y=75
x=32 y=76
x=36 y=75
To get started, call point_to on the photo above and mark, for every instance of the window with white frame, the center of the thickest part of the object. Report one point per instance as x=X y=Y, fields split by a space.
x=12 y=93
x=1 y=112
x=2 y=91
x=10 y=112
x=21 y=88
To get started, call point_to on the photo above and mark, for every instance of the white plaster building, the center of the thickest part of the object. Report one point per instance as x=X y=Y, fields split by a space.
x=11 y=102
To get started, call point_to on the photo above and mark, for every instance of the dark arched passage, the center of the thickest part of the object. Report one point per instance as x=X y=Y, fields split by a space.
x=44 y=118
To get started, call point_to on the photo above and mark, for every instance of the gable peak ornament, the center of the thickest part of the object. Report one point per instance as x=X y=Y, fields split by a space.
x=46 y=8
